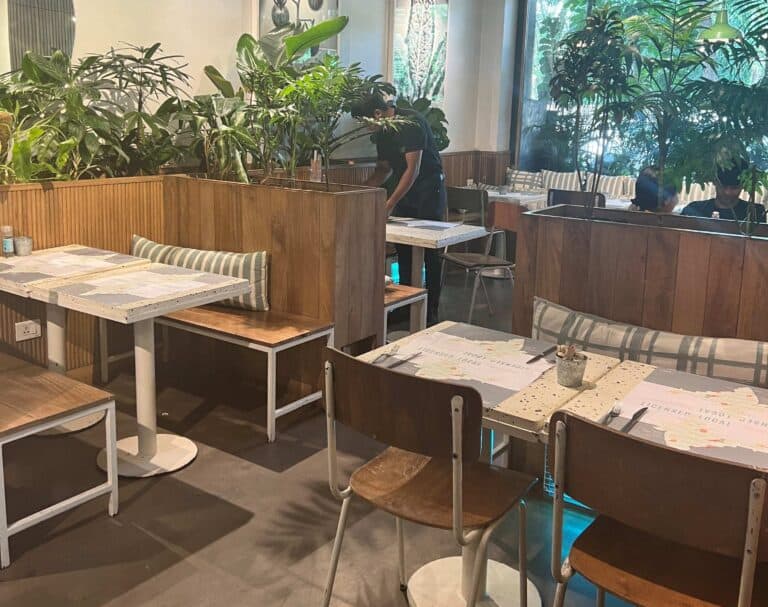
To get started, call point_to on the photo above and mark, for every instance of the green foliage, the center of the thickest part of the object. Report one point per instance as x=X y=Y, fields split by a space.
x=592 y=67
x=90 y=118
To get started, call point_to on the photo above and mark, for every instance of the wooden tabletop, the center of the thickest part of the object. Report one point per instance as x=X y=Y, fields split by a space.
x=31 y=394
x=431 y=234
x=716 y=418
x=27 y=276
x=130 y=295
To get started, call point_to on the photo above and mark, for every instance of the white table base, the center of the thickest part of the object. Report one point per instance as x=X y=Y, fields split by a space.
x=173 y=453
x=147 y=453
x=417 y=269
x=438 y=584
x=56 y=332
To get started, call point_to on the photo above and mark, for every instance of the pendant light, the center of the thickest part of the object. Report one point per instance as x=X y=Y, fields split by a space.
x=721 y=30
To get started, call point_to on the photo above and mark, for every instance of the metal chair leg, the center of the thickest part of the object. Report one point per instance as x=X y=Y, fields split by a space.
x=401 y=554
x=600 y=597
x=560 y=594
x=474 y=296
x=485 y=291
x=522 y=551
x=5 y=553
x=336 y=551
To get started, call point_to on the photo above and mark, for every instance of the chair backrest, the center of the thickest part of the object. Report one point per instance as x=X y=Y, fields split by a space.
x=468 y=200
x=403 y=411
x=675 y=495
x=555 y=197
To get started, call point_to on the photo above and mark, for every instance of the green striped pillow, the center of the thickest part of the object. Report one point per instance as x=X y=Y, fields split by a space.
x=252 y=266
x=738 y=360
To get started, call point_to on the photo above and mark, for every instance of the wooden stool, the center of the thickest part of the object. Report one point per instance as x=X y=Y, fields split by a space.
x=33 y=399
x=399 y=296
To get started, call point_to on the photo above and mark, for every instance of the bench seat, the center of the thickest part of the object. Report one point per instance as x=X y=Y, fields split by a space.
x=399 y=296
x=33 y=400
x=269 y=329
x=269 y=332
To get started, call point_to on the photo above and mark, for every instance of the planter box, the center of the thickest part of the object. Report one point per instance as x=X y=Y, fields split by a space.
x=327 y=247
x=683 y=274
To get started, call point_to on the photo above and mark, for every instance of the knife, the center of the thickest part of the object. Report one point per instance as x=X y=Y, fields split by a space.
x=635 y=418
x=546 y=352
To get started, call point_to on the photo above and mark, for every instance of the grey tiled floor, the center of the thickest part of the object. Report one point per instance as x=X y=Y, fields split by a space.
x=246 y=523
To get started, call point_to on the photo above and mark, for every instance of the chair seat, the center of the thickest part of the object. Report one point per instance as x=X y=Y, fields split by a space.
x=648 y=571
x=419 y=489
x=477 y=260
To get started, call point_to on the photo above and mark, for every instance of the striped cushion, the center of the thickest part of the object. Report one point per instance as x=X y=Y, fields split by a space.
x=521 y=181
x=561 y=181
x=612 y=187
x=252 y=266
x=737 y=360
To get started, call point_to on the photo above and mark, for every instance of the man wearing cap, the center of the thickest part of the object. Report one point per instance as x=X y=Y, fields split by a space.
x=409 y=161
x=727 y=202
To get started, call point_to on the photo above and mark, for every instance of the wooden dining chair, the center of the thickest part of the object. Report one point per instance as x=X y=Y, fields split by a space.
x=555 y=197
x=430 y=474
x=477 y=263
x=674 y=529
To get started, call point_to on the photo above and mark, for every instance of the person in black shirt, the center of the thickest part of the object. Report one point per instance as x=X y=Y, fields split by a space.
x=727 y=202
x=409 y=162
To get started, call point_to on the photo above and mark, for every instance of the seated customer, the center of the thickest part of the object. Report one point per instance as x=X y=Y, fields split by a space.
x=647 y=193
x=727 y=202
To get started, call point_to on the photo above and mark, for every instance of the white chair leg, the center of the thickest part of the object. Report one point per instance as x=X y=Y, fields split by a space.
x=600 y=597
x=480 y=556
x=5 y=553
x=522 y=551
x=560 y=594
x=336 y=551
x=111 y=451
x=103 y=351
x=487 y=297
x=474 y=296
x=401 y=554
x=271 y=396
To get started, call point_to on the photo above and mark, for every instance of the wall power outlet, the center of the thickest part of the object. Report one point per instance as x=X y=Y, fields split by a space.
x=28 y=329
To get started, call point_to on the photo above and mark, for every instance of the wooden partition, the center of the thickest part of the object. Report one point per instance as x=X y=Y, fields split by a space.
x=327 y=247
x=680 y=274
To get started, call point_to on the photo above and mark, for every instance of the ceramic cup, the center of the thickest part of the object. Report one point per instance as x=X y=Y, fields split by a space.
x=22 y=245
x=570 y=373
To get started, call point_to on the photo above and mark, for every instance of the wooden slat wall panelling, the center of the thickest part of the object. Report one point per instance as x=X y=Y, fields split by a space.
x=661 y=274
x=525 y=275
x=670 y=279
x=726 y=263
x=753 y=319
x=605 y=244
x=574 y=282
x=628 y=296
x=549 y=255
x=691 y=283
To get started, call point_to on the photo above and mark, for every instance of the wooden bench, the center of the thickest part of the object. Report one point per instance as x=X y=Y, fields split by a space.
x=399 y=296
x=268 y=332
x=33 y=399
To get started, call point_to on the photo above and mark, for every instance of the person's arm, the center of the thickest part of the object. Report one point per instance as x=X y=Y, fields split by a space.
x=380 y=174
x=413 y=165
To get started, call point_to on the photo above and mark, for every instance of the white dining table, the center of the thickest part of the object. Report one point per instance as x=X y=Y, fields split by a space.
x=28 y=276
x=128 y=290
x=706 y=416
x=423 y=234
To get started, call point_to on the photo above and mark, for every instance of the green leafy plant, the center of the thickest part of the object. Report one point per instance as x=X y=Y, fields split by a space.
x=592 y=83
x=140 y=77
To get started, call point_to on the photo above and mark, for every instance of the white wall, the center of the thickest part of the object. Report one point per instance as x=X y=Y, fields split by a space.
x=494 y=99
x=479 y=63
x=204 y=32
